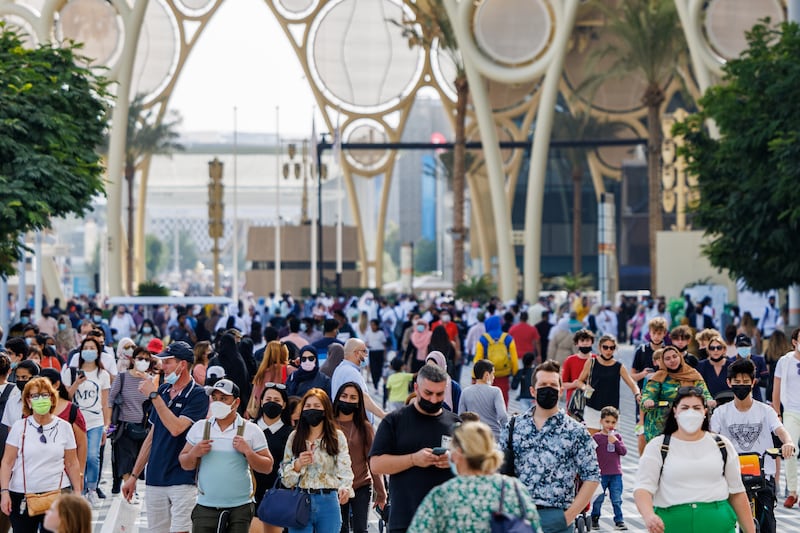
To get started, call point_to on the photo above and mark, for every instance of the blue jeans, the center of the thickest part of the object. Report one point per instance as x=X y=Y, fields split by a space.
x=613 y=483
x=92 y=474
x=326 y=515
x=554 y=521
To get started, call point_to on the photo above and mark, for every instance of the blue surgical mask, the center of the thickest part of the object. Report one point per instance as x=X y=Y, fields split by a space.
x=172 y=378
x=303 y=326
x=62 y=327
x=89 y=356
x=147 y=330
x=28 y=340
x=420 y=328
x=453 y=468
x=97 y=318
x=24 y=320
x=363 y=363
x=743 y=351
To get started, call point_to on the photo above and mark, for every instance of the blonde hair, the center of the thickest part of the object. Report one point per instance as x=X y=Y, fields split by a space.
x=275 y=354
x=706 y=335
x=657 y=324
x=715 y=336
x=477 y=443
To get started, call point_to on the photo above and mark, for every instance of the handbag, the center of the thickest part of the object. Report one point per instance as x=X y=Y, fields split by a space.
x=37 y=503
x=136 y=432
x=508 y=468
x=577 y=402
x=502 y=522
x=289 y=508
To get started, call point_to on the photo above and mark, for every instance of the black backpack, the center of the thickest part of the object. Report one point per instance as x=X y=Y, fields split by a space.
x=3 y=400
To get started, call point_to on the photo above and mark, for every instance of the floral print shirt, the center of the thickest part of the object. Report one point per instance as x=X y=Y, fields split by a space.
x=656 y=416
x=325 y=472
x=465 y=504
x=548 y=460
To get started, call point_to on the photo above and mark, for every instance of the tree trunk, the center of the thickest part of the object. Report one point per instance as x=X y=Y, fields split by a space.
x=459 y=179
x=130 y=173
x=577 y=182
x=653 y=99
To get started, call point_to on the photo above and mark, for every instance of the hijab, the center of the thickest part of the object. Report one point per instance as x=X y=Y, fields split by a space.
x=494 y=327
x=335 y=356
x=124 y=361
x=438 y=358
x=420 y=340
x=301 y=374
x=685 y=374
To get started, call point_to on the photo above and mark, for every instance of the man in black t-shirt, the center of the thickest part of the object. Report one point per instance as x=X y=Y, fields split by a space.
x=405 y=443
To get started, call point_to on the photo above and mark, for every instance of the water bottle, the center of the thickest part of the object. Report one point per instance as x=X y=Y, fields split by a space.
x=610 y=446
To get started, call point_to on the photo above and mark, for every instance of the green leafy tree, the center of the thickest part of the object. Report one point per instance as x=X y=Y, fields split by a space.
x=425 y=256
x=52 y=118
x=580 y=126
x=477 y=288
x=646 y=40
x=145 y=137
x=152 y=288
x=155 y=255
x=431 y=29
x=747 y=178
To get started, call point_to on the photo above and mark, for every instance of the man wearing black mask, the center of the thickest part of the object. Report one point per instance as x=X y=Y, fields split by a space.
x=749 y=424
x=543 y=463
x=411 y=445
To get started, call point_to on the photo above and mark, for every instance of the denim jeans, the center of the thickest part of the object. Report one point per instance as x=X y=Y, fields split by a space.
x=92 y=474
x=612 y=482
x=554 y=521
x=326 y=515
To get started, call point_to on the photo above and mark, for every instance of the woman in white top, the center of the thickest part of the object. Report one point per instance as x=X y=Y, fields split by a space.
x=695 y=485
x=40 y=450
x=88 y=387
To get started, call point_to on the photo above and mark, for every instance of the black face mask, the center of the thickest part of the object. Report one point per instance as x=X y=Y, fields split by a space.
x=741 y=391
x=428 y=406
x=547 y=397
x=585 y=349
x=717 y=359
x=313 y=417
x=271 y=409
x=348 y=408
x=21 y=384
x=604 y=358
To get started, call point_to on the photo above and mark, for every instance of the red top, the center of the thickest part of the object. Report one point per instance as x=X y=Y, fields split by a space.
x=524 y=336
x=449 y=327
x=79 y=420
x=571 y=370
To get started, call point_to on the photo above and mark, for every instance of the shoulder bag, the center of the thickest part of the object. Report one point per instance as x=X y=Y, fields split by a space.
x=37 y=502
x=577 y=402
x=288 y=508
x=502 y=522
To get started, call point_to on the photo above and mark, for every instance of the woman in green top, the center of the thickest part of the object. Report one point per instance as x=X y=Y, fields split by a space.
x=466 y=502
x=662 y=388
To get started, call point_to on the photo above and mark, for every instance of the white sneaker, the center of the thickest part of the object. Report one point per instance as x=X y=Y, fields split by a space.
x=91 y=497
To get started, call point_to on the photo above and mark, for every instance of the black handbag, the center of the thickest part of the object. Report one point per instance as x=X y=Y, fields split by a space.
x=290 y=508
x=502 y=522
x=508 y=468
x=577 y=402
x=136 y=432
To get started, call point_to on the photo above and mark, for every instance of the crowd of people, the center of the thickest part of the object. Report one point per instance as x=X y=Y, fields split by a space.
x=358 y=403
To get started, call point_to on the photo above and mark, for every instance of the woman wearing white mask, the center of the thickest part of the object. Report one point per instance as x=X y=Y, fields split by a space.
x=693 y=482
x=131 y=427
x=88 y=387
x=308 y=376
x=125 y=353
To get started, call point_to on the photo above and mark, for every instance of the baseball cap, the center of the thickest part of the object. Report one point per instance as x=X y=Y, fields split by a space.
x=742 y=340
x=179 y=350
x=225 y=386
x=155 y=346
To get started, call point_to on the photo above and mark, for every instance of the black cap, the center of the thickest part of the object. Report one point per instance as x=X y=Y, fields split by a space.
x=179 y=350
x=742 y=340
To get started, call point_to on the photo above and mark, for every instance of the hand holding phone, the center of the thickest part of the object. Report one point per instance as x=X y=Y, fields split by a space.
x=439 y=450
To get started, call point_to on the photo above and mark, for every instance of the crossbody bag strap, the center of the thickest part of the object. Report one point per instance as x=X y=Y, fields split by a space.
x=523 y=510
x=206 y=435
x=502 y=496
x=22 y=451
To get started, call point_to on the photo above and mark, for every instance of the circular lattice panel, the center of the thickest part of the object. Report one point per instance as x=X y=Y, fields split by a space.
x=726 y=22
x=513 y=32
x=96 y=24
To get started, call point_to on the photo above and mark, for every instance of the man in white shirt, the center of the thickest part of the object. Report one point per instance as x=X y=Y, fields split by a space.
x=786 y=392
x=123 y=323
x=749 y=424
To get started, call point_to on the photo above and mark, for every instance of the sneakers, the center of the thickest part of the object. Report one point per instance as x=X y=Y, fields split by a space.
x=595 y=522
x=92 y=499
x=620 y=526
x=790 y=501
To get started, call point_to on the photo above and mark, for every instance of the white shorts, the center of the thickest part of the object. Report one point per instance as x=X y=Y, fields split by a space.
x=169 y=509
x=591 y=418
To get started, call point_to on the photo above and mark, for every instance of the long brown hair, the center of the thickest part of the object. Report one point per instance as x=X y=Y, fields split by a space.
x=275 y=354
x=330 y=438
x=74 y=514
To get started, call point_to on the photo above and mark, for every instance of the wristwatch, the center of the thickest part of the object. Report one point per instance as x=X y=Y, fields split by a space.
x=153 y=395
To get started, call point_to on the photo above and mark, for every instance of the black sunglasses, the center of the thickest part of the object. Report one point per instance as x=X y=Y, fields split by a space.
x=308 y=358
x=716 y=348
x=609 y=347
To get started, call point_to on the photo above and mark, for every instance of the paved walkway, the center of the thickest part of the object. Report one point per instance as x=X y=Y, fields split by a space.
x=788 y=520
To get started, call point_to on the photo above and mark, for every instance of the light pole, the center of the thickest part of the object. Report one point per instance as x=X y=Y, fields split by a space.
x=216 y=209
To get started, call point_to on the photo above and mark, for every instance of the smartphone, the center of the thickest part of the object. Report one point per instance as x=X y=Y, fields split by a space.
x=81 y=374
x=439 y=450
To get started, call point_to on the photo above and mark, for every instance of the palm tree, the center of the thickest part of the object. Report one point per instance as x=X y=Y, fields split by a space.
x=579 y=126
x=145 y=137
x=647 y=40
x=431 y=29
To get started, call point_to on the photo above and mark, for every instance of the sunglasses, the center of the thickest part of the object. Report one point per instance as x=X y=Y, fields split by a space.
x=308 y=358
x=279 y=386
x=798 y=369
x=609 y=347
x=143 y=359
x=40 y=431
x=716 y=348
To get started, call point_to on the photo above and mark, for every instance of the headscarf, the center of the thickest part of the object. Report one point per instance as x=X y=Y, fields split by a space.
x=439 y=359
x=235 y=369
x=421 y=340
x=124 y=361
x=685 y=375
x=301 y=374
x=335 y=356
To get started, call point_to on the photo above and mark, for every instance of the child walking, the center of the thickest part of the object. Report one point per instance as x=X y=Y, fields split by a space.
x=609 y=450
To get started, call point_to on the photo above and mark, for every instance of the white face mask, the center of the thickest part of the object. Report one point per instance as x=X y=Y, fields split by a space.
x=142 y=366
x=220 y=409
x=308 y=366
x=690 y=420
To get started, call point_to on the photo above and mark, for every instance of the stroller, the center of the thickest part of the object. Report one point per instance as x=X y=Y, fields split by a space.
x=582 y=523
